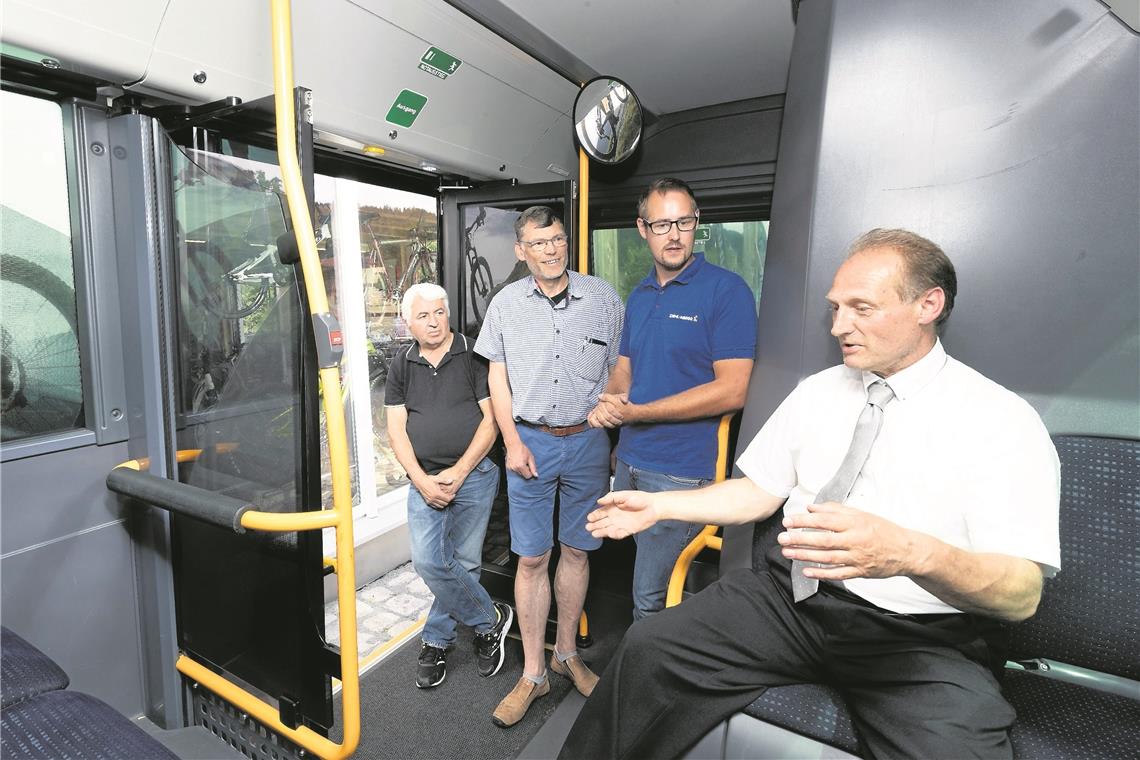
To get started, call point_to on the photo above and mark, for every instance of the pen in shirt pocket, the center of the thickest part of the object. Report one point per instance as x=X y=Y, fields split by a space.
x=595 y=341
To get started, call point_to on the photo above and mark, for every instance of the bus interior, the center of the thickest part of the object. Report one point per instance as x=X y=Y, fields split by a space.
x=209 y=221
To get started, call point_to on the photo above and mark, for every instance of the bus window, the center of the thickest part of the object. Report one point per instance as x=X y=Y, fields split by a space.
x=41 y=385
x=394 y=236
x=489 y=253
x=621 y=257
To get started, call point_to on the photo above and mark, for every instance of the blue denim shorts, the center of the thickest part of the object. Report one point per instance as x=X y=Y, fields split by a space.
x=578 y=468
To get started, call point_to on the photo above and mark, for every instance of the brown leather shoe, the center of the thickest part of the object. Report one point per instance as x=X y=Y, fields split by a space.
x=577 y=671
x=514 y=706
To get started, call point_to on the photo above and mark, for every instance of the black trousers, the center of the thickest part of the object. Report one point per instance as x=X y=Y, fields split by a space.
x=918 y=686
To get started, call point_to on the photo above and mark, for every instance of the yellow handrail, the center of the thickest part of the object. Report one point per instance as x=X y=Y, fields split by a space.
x=340 y=516
x=707 y=538
x=583 y=212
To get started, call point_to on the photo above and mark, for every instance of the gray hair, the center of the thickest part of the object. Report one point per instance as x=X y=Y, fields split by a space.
x=925 y=266
x=540 y=216
x=428 y=291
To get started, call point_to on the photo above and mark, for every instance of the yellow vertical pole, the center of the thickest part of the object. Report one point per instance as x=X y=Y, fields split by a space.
x=583 y=212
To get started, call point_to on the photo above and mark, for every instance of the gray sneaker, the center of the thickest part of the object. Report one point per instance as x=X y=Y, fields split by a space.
x=489 y=646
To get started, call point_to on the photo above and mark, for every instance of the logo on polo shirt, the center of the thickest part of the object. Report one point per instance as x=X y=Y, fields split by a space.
x=685 y=317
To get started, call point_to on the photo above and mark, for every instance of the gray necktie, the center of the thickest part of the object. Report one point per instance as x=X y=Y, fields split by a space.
x=879 y=394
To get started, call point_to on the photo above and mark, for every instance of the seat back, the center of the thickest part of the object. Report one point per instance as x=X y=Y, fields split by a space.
x=1090 y=613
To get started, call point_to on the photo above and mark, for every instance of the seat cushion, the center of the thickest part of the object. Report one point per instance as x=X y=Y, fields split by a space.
x=813 y=710
x=1056 y=719
x=69 y=725
x=25 y=671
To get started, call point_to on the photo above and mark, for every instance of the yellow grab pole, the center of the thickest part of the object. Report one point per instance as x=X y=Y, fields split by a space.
x=583 y=212
x=282 y=25
x=707 y=538
x=340 y=517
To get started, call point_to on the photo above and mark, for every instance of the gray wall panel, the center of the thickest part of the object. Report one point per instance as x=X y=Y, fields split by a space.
x=74 y=598
x=727 y=153
x=46 y=498
x=1005 y=132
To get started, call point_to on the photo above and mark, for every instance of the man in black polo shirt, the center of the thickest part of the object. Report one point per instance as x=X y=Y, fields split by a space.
x=441 y=427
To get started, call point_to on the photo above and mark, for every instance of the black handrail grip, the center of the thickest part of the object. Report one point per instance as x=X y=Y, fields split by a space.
x=184 y=499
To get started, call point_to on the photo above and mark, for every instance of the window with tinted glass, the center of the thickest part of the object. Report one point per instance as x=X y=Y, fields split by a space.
x=41 y=385
x=622 y=257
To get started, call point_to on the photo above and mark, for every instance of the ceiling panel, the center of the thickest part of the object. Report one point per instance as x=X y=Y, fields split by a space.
x=675 y=54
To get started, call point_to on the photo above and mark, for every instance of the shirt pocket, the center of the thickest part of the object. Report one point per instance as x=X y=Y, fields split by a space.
x=590 y=359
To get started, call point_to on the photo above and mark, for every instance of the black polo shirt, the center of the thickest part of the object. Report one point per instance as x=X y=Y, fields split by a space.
x=442 y=402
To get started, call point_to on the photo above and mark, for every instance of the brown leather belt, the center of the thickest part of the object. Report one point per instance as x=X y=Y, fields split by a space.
x=557 y=431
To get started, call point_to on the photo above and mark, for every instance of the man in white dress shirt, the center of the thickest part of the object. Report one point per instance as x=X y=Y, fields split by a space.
x=947 y=532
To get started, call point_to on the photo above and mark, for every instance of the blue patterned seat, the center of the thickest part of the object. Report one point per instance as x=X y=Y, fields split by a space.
x=25 y=671
x=41 y=720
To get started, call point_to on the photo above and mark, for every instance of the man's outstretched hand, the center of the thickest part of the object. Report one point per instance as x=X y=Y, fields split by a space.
x=621 y=514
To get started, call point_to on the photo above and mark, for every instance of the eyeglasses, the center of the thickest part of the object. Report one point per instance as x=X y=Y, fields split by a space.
x=662 y=226
x=538 y=245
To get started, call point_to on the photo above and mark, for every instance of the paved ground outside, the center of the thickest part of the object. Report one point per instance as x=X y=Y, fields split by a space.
x=385 y=608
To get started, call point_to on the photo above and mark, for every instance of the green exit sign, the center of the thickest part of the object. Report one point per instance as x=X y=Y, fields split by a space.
x=703 y=233
x=407 y=107
x=439 y=63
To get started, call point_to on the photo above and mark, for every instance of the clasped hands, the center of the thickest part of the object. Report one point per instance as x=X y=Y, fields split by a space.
x=438 y=490
x=613 y=410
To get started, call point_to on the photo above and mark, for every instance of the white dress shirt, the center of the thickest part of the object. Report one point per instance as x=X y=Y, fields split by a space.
x=958 y=457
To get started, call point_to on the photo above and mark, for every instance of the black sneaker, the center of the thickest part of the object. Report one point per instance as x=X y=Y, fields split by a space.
x=432 y=668
x=489 y=645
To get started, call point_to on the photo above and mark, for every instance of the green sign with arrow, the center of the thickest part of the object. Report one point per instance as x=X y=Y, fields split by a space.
x=438 y=63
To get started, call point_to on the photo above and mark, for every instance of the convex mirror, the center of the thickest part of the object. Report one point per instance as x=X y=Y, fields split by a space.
x=607 y=120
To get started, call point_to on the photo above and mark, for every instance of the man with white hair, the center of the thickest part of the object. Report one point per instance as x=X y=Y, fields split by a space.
x=441 y=427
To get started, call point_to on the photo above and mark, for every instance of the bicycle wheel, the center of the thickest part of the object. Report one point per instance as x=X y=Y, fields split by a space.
x=425 y=267
x=40 y=384
x=481 y=284
x=209 y=286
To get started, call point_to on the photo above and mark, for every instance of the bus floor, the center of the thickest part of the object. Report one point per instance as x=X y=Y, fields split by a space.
x=402 y=722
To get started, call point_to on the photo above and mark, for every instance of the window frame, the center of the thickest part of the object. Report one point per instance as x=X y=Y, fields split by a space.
x=87 y=150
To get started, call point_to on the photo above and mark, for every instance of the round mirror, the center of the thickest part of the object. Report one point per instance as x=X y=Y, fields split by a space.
x=607 y=120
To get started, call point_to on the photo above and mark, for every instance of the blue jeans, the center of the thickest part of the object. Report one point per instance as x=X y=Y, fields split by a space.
x=658 y=547
x=447 y=549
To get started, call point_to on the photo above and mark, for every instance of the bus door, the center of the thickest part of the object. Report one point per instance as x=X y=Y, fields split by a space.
x=251 y=605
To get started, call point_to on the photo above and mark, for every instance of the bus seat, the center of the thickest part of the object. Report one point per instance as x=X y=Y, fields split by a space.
x=43 y=720
x=25 y=671
x=1074 y=669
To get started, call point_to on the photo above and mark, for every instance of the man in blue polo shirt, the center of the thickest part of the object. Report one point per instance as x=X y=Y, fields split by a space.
x=684 y=360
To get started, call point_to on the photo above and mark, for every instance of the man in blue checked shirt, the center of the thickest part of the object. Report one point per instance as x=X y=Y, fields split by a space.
x=685 y=358
x=551 y=339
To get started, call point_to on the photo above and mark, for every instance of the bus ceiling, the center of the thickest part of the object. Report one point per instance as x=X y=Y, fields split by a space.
x=477 y=88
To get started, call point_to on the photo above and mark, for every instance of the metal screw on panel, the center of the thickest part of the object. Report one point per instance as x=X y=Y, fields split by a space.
x=116 y=414
x=392 y=135
x=49 y=63
x=97 y=148
x=119 y=151
x=200 y=76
